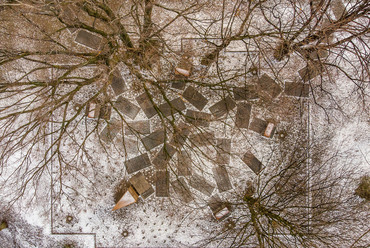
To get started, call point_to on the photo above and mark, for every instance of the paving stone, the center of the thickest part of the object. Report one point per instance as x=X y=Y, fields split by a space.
x=195 y=98
x=258 y=126
x=202 y=139
x=137 y=163
x=183 y=164
x=88 y=39
x=296 y=89
x=126 y=107
x=310 y=72
x=141 y=185
x=172 y=108
x=253 y=163
x=110 y=131
x=154 y=139
x=182 y=190
x=146 y=105
x=164 y=156
x=137 y=127
x=162 y=184
x=223 y=149
x=201 y=184
x=198 y=118
x=267 y=84
x=118 y=84
x=243 y=113
x=222 y=107
x=247 y=92
x=221 y=178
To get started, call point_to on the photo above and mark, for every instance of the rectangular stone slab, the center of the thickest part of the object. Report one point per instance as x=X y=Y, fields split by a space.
x=202 y=139
x=222 y=107
x=223 y=149
x=110 y=131
x=183 y=164
x=296 y=89
x=128 y=145
x=198 y=118
x=253 y=163
x=88 y=39
x=164 y=156
x=153 y=140
x=117 y=83
x=182 y=190
x=258 y=126
x=137 y=127
x=243 y=113
x=195 y=98
x=222 y=178
x=146 y=105
x=126 y=107
x=267 y=84
x=162 y=184
x=201 y=184
x=180 y=135
x=248 y=92
x=137 y=163
x=141 y=185
x=175 y=105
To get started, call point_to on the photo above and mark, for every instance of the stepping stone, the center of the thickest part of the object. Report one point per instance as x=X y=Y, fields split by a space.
x=137 y=163
x=146 y=105
x=222 y=107
x=88 y=39
x=198 y=118
x=202 y=139
x=269 y=85
x=178 y=84
x=110 y=131
x=243 y=113
x=253 y=163
x=247 y=92
x=222 y=178
x=153 y=140
x=296 y=89
x=137 y=127
x=141 y=185
x=195 y=98
x=162 y=184
x=310 y=72
x=126 y=107
x=175 y=105
x=220 y=209
x=182 y=190
x=183 y=164
x=164 y=156
x=201 y=184
x=223 y=149
x=118 y=84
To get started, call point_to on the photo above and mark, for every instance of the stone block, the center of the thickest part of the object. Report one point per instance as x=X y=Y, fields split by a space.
x=137 y=163
x=88 y=39
x=195 y=98
x=183 y=164
x=117 y=83
x=296 y=89
x=182 y=190
x=198 y=118
x=164 y=156
x=201 y=184
x=254 y=164
x=267 y=84
x=126 y=107
x=248 y=92
x=222 y=178
x=137 y=127
x=162 y=184
x=173 y=107
x=222 y=107
x=223 y=149
x=141 y=185
x=146 y=105
x=110 y=131
x=243 y=113
x=153 y=140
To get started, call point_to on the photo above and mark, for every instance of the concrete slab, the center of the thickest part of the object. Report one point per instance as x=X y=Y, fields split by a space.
x=117 y=83
x=198 y=118
x=296 y=89
x=182 y=190
x=258 y=125
x=222 y=178
x=254 y=164
x=183 y=164
x=243 y=113
x=88 y=39
x=153 y=140
x=137 y=127
x=222 y=107
x=126 y=107
x=223 y=149
x=201 y=184
x=248 y=92
x=195 y=98
x=267 y=84
x=162 y=184
x=173 y=107
x=137 y=163
x=146 y=105
x=141 y=185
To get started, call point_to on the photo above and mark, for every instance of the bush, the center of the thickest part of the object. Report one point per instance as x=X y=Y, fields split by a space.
x=363 y=189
